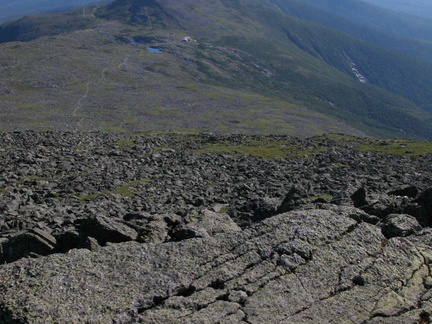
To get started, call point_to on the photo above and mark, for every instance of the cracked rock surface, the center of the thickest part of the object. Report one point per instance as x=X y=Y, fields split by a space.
x=296 y=267
x=102 y=228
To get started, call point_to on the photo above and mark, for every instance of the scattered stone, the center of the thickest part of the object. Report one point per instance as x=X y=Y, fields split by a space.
x=359 y=197
x=22 y=245
x=105 y=229
x=400 y=225
x=188 y=232
x=211 y=222
x=68 y=240
x=365 y=217
x=425 y=200
x=294 y=198
x=411 y=192
x=180 y=236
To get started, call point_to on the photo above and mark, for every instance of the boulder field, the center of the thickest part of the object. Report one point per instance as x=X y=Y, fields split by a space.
x=204 y=228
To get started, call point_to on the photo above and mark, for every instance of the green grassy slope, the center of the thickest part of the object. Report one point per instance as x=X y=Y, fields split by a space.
x=243 y=74
x=333 y=93
x=92 y=80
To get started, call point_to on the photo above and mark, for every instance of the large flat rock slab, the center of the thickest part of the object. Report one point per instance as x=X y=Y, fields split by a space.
x=312 y=266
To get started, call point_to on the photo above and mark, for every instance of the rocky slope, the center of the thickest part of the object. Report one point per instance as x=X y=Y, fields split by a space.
x=198 y=228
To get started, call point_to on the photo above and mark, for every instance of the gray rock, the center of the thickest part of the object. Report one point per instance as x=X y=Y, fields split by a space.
x=105 y=229
x=211 y=222
x=92 y=244
x=238 y=296
x=359 y=197
x=425 y=211
x=22 y=245
x=195 y=266
x=67 y=240
x=411 y=192
x=188 y=232
x=225 y=278
x=291 y=261
x=400 y=225
x=364 y=217
x=297 y=247
x=294 y=198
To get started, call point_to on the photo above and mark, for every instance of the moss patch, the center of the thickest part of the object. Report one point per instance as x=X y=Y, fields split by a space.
x=124 y=143
x=88 y=197
x=37 y=178
x=398 y=147
x=262 y=149
x=387 y=146
x=321 y=196
x=129 y=190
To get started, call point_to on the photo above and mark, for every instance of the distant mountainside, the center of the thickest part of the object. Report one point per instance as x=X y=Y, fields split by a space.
x=385 y=68
x=244 y=66
x=415 y=7
x=415 y=47
x=19 y=8
x=377 y=17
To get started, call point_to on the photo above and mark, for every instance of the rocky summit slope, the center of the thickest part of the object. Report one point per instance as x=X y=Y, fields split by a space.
x=198 y=228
